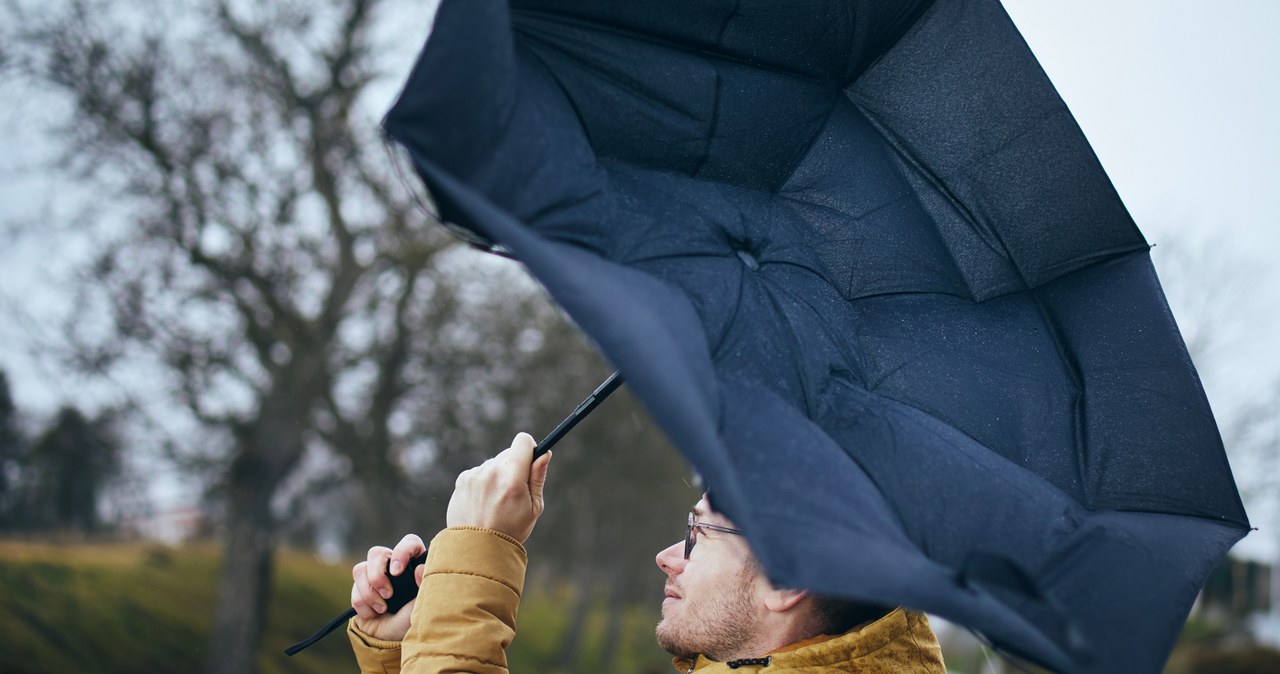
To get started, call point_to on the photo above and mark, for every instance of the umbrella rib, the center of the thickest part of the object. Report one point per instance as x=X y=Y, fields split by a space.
x=728 y=324
x=724 y=25
x=1072 y=366
x=794 y=200
x=636 y=261
x=872 y=387
x=988 y=238
x=795 y=340
x=1161 y=392
x=848 y=355
x=711 y=127
x=526 y=30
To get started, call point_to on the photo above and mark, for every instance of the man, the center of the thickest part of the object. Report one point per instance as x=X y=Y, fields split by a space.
x=720 y=612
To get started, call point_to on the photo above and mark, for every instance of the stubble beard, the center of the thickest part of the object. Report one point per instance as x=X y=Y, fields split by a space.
x=717 y=627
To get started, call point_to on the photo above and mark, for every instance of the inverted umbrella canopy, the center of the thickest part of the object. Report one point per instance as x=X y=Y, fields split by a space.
x=865 y=271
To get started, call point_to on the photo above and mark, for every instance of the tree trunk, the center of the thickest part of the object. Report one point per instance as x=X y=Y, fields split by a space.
x=268 y=449
x=615 y=610
x=245 y=580
x=384 y=513
x=571 y=644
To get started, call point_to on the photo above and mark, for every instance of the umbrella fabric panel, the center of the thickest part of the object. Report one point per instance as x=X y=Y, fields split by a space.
x=1116 y=585
x=966 y=103
x=1016 y=541
x=500 y=125
x=813 y=39
x=688 y=116
x=1131 y=363
x=991 y=369
x=852 y=193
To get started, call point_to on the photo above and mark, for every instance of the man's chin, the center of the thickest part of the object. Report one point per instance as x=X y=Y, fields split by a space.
x=667 y=641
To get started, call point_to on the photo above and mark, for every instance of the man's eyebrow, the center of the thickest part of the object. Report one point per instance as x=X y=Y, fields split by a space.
x=697 y=511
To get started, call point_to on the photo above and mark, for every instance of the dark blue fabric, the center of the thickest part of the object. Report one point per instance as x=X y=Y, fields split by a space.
x=865 y=271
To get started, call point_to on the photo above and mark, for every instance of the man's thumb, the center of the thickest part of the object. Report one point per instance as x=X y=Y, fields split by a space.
x=538 y=478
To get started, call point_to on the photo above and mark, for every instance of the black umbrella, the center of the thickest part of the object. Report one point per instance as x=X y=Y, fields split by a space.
x=860 y=263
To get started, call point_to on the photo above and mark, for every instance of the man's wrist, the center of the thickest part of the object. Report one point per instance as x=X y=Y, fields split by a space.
x=370 y=640
x=374 y=636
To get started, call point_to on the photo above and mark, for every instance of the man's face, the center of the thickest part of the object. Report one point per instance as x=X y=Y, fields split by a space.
x=712 y=605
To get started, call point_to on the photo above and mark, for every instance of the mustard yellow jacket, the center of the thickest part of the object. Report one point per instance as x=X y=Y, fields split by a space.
x=466 y=615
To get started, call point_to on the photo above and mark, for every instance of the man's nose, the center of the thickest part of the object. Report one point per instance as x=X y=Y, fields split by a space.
x=671 y=560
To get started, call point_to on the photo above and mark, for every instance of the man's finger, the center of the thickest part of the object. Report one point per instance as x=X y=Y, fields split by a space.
x=373 y=571
x=523 y=446
x=360 y=605
x=364 y=597
x=409 y=547
x=510 y=467
x=377 y=552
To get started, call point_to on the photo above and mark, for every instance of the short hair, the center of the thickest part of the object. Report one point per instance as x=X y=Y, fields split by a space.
x=836 y=615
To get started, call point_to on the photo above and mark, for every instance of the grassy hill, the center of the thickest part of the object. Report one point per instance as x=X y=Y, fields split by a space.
x=125 y=608
x=146 y=608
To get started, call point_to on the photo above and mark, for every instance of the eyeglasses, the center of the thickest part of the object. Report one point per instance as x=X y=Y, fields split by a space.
x=690 y=538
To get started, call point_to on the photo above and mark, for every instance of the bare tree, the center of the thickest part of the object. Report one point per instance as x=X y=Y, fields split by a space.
x=1213 y=291
x=269 y=262
x=295 y=303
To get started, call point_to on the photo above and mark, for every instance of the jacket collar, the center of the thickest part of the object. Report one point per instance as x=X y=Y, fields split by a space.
x=836 y=653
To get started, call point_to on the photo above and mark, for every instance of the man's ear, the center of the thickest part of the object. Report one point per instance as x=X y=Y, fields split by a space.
x=780 y=600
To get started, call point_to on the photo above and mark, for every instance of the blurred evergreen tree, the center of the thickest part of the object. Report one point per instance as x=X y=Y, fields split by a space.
x=68 y=467
x=12 y=447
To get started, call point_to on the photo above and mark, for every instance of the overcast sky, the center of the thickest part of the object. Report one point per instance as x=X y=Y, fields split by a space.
x=1178 y=98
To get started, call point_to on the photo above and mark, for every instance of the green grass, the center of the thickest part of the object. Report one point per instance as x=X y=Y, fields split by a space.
x=124 y=608
x=145 y=608
x=131 y=607
x=543 y=621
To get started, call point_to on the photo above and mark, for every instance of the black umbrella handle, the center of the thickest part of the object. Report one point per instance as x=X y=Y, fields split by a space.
x=579 y=413
x=324 y=631
x=403 y=587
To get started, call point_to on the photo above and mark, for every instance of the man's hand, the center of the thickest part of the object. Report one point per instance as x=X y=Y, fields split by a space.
x=372 y=588
x=504 y=493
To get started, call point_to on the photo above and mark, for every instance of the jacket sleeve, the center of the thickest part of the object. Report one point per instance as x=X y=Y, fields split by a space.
x=374 y=656
x=465 y=616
